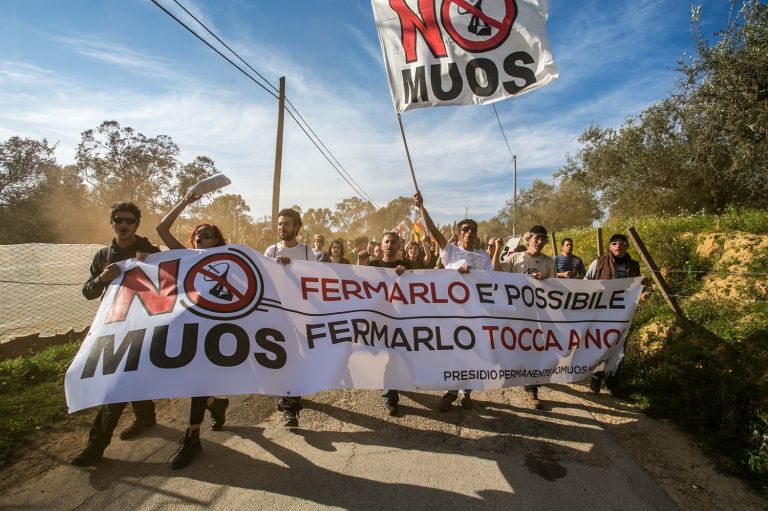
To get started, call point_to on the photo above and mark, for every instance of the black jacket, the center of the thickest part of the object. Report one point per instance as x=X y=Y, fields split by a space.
x=93 y=287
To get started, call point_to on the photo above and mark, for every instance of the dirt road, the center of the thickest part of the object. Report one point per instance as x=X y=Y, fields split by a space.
x=579 y=452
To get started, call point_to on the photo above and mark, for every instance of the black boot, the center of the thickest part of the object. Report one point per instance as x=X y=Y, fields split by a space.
x=89 y=457
x=189 y=449
x=218 y=409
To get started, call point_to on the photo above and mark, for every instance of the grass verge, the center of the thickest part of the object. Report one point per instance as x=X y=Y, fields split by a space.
x=32 y=394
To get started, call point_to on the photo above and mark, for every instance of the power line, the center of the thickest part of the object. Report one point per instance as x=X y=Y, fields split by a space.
x=316 y=141
x=502 y=129
x=296 y=110
x=213 y=48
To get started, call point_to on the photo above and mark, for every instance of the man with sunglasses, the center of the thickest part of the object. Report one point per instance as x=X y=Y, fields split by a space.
x=462 y=257
x=125 y=218
x=616 y=265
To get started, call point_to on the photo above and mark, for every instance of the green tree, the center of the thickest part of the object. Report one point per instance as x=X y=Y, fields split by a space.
x=705 y=147
x=232 y=215
x=40 y=201
x=389 y=216
x=23 y=166
x=317 y=221
x=121 y=164
x=723 y=108
x=351 y=216
x=569 y=203
x=190 y=174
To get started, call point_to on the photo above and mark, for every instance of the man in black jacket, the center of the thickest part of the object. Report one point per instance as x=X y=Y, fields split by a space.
x=125 y=218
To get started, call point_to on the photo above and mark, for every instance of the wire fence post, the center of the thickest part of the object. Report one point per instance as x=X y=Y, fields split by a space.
x=599 y=241
x=634 y=237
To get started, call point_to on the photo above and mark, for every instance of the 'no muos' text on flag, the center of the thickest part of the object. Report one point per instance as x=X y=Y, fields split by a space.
x=461 y=52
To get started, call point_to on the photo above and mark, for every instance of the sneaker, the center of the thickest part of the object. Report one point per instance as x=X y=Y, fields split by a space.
x=595 y=384
x=136 y=427
x=533 y=398
x=446 y=402
x=90 y=457
x=290 y=418
x=189 y=449
x=392 y=407
x=466 y=402
x=218 y=409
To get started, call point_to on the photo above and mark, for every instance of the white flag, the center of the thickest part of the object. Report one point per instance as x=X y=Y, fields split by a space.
x=463 y=52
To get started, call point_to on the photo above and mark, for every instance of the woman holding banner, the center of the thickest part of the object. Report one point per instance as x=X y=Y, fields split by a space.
x=203 y=236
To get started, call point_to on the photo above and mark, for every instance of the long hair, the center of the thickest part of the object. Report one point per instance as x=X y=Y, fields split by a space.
x=220 y=241
x=420 y=257
x=340 y=243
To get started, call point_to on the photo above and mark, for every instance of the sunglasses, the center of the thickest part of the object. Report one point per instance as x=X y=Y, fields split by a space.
x=618 y=243
x=123 y=220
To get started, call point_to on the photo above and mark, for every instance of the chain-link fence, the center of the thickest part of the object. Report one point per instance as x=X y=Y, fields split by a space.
x=40 y=289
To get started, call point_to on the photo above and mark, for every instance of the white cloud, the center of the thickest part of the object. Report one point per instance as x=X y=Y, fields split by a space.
x=459 y=155
x=22 y=73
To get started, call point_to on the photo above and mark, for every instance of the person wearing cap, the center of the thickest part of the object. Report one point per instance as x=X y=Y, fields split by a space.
x=464 y=258
x=530 y=262
x=618 y=264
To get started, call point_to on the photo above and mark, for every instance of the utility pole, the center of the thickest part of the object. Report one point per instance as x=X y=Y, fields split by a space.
x=278 y=155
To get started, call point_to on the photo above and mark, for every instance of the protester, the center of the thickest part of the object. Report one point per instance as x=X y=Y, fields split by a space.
x=361 y=244
x=430 y=251
x=490 y=247
x=568 y=265
x=372 y=250
x=415 y=254
x=390 y=244
x=125 y=218
x=336 y=252
x=288 y=249
x=530 y=262
x=618 y=264
x=461 y=257
x=203 y=236
x=317 y=247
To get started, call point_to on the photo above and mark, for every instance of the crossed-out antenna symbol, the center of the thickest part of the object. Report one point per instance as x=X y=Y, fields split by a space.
x=476 y=25
x=221 y=289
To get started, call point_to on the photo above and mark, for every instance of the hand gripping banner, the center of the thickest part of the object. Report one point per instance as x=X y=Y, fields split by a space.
x=462 y=52
x=230 y=321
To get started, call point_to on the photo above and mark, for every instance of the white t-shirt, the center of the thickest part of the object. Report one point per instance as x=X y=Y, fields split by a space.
x=455 y=257
x=523 y=262
x=300 y=252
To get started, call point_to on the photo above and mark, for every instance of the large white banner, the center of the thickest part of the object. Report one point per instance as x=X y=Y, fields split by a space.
x=230 y=321
x=462 y=52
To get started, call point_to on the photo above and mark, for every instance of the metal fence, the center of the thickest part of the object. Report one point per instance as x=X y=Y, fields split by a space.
x=40 y=289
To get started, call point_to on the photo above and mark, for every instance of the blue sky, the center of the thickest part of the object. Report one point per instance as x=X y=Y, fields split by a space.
x=66 y=66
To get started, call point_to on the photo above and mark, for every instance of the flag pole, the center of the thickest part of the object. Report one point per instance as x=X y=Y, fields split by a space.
x=407 y=152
